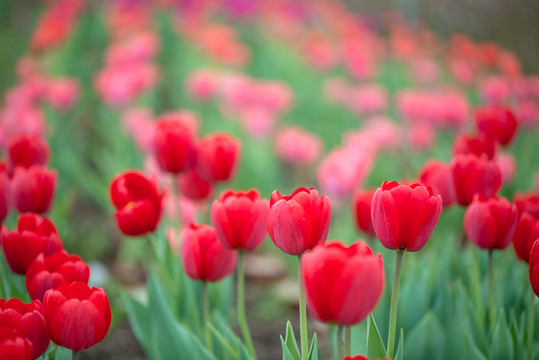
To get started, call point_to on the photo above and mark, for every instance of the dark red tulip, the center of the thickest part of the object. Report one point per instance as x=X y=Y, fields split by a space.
x=474 y=175
x=362 y=210
x=527 y=202
x=300 y=221
x=217 y=156
x=474 y=144
x=4 y=196
x=534 y=267
x=239 y=219
x=14 y=346
x=204 y=256
x=437 y=175
x=27 y=320
x=526 y=232
x=404 y=216
x=490 y=223
x=25 y=150
x=137 y=201
x=47 y=272
x=174 y=142
x=497 y=122
x=76 y=315
x=193 y=186
x=33 y=188
x=333 y=275
x=34 y=235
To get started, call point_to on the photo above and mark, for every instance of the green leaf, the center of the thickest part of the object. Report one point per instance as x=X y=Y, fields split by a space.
x=426 y=338
x=473 y=351
x=518 y=339
x=168 y=337
x=399 y=354
x=62 y=353
x=502 y=345
x=375 y=344
x=139 y=319
x=289 y=344
x=313 y=352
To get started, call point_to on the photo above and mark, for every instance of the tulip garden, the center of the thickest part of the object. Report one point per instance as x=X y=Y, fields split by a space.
x=263 y=180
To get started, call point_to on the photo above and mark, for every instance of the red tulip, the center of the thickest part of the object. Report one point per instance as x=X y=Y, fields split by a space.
x=239 y=219
x=77 y=317
x=534 y=267
x=490 y=223
x=34 y=235
x=300 y=221
x=474 y=175
x=527 y=203
x=404 y=216
x=362 y=209
x=437 y=175
x=193 y=186
x=217 y=156
x=137 y=201
x=33 y=188
x=342 y=284
x=174 y=142
x=14 y=346
x=4 y=199
x=26 y=150
x=497 y=122
x=526 y=232
x=474 y=144
x=204 y=256
x=47 y=272
x=27 y=320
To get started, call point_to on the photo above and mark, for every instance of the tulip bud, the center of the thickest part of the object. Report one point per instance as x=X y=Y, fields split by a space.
x=490 y=223
x=437 y=175
x=526 y=232
x=534 y=267
x=174 y=142
x=47 y=272
x=26 y=320
x=334 y=275
x=239 y=219
x=26 y=150
x=14 y=346
x=362 y=210
x=404 y=216
x=76 y=315
x=217 y=156
x=474 y=144
x=474 y=175
x=137 y=201
x=33 y=189
x=298 y=222
x=34 y=235
x=497 y=122
x=204 y=256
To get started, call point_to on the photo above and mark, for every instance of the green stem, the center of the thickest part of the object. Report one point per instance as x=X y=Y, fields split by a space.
x=75 y=355
x=206 y=315
x=303 y=316
x=339 y=343
x=347 y=341
x=491 y=293
x=394 y=305
x=242 y=319
x=531 y=322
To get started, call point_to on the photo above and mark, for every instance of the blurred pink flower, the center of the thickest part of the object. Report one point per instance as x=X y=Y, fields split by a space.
x=138 y=122
x=494 y=90
x=462 y=70
x=345 y=169
x=336 y=90
x=297 y=146
x=258 y=122
x=119 y=85
x=202 y=84
x=421 y=136
x=425 y=70
x=507 y=164
x=368 y=99
x=62 y=93
x=139 y=47
x=527 y=111
x=384 y=132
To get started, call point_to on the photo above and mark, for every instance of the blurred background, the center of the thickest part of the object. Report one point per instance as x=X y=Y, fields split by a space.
x=335 y=95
